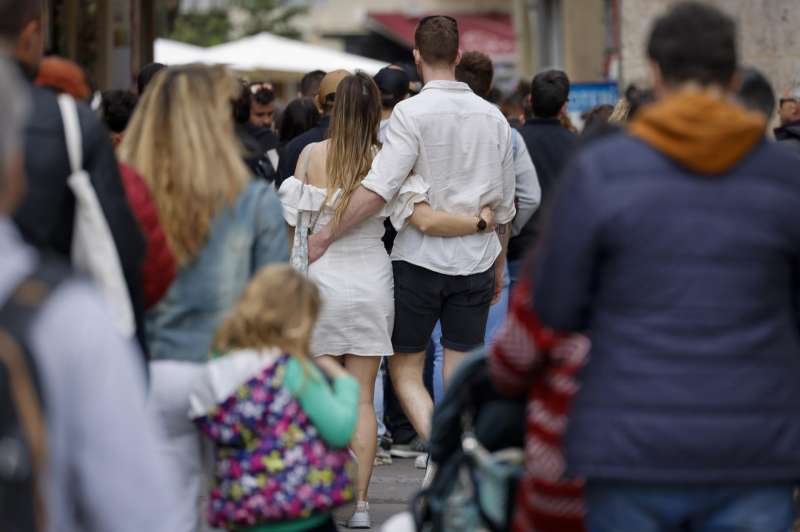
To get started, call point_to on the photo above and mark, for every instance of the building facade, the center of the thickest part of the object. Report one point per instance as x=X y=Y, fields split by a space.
x=112 y=39
x=768 y=36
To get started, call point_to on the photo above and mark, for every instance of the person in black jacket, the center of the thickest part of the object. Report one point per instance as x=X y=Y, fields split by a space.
x=549 y=145
x=46 y=215
x=291 y=152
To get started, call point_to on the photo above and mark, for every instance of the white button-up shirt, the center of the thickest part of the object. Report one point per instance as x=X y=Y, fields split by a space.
x=461 y=146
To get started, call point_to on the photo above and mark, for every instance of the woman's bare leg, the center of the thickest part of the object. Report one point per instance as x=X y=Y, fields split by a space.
x=364 y=443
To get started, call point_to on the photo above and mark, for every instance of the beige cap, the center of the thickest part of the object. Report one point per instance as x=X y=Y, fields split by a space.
x=330 y=82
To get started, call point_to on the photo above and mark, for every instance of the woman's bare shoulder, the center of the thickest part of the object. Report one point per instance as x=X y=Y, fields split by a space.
x=318 y=155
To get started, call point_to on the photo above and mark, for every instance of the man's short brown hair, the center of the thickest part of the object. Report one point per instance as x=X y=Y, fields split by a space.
x=437 y=39
x=476 y=70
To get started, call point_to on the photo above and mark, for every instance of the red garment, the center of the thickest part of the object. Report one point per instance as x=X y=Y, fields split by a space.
x=63 y=75
x=528 y=358
x=159 y=267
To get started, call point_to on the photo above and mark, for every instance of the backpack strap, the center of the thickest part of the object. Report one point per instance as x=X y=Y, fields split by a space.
x=23 y=396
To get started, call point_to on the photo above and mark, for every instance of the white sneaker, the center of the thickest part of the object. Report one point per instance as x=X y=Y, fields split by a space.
x=360 y=517
x=421 y=462
x=430 y=472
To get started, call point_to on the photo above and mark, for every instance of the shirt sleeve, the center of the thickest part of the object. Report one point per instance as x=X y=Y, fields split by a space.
x=566 y=258
x=106 y=443
x=397 y=158
x=271 y=243
x=332 y=409
x=528 y=190
x=505 y=211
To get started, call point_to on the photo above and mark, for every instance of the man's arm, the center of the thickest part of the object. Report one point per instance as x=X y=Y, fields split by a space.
x=528 y=190
x=504 y=232
x=389 y=170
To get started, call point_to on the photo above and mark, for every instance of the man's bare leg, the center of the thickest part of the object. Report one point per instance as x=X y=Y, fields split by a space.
x=406 y=373
x=452 y=360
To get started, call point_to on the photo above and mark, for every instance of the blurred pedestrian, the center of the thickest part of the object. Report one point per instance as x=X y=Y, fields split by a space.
x=146 y=75
x=221 y=227
x=46 y=216
x=299 y=116
x=259 y=141
x=262 y=104
x=675 y=248
x=355 y=276
x=159 y=265
x=324 y=100
x=310 y=83
x=73 y=389
x=789 y=132
x=787 y=107
x=755 y=92
x=302 y=414
x=549 y=145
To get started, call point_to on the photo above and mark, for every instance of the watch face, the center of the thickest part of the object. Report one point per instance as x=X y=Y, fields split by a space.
x=482 y=225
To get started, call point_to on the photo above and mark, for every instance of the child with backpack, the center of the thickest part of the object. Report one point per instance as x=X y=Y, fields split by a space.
x=280 y=423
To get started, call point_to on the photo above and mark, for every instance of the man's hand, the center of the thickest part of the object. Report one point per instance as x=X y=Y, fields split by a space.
x=318 y=244
x=499 y=280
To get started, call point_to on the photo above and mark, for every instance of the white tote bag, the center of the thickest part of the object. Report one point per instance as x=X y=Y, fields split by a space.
x=93 y=249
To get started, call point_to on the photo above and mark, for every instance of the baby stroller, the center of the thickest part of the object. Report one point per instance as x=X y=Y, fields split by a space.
x=476 y=446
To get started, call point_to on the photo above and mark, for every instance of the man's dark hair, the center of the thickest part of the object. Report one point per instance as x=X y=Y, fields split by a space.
x=549 y=93
x=146 y=74
x=309 y=85
x=241 y=104
x=694 y=42
x=756 y=93
x=118 y=107
x=437 y=39
x=260 y=94
x=15 y=14
x=299 y=116
x=476 y=70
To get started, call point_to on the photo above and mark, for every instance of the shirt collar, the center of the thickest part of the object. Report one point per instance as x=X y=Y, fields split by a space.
x=445 y=85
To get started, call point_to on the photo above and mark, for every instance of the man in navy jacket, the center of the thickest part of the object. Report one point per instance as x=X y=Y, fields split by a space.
x=677 y=249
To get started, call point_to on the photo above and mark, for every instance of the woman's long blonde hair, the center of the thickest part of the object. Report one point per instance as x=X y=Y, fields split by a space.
x=353 y=136
x=279 y=308
x=181 y=139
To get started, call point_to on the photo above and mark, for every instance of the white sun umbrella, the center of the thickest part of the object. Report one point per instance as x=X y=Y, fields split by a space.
x=266 y=51
x=178 y=53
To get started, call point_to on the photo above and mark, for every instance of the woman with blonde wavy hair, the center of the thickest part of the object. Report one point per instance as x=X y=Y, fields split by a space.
x=221 y=226
x=355 y=275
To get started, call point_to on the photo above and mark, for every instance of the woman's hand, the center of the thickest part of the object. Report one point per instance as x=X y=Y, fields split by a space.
x=331 y=367
x=487 y=215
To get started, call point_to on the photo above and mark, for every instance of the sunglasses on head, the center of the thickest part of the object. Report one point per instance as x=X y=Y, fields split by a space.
x=423 y=20
x=255 y=88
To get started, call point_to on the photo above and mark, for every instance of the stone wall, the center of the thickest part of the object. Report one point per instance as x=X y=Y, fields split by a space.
x=769 y=36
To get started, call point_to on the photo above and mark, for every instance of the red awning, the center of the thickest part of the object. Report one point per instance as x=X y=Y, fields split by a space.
x=490 y=33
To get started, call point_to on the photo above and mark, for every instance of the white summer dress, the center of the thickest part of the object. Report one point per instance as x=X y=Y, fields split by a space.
x=354 y=276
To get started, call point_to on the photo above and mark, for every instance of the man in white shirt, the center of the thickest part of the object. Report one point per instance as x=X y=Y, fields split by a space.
x=461 y=145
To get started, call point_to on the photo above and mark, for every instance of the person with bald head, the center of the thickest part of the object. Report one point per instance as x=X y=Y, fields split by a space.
x=324 y=101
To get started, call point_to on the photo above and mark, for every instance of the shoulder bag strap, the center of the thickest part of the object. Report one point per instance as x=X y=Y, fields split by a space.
x=72 y=131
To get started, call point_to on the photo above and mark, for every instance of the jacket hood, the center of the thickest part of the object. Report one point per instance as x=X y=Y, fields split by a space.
x=702 y=131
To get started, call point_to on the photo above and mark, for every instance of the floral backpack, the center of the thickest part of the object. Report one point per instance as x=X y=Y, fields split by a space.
x=271 y=463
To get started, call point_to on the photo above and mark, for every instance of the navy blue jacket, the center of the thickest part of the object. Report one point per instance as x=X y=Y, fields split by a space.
x=688 y=286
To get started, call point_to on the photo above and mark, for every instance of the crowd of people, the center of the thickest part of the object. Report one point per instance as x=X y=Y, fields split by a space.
x=220 y=312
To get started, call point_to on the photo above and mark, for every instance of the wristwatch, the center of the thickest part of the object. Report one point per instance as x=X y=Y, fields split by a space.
x=481 y=225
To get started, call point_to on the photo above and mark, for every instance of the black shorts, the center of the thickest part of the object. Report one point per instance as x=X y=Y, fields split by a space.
x=423 y=297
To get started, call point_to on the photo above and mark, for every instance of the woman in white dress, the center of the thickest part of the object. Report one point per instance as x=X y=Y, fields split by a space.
x=355 y=275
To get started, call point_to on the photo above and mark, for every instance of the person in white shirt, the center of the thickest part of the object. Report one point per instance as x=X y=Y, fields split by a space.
x=461 y=145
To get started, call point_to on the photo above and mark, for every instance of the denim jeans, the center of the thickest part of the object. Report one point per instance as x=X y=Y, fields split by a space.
x=634 y=507
x=497 y=315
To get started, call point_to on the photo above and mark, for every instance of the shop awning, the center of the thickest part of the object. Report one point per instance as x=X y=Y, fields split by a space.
x=490 y=33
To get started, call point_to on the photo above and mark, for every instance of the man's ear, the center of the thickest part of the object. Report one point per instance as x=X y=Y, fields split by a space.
x=564 y=109
x=458 y=58
x=30 y=44
x=656 y=78
x=417 y=57
x=318 y=103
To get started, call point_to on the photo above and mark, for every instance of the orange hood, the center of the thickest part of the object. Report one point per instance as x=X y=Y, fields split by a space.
x=704 y=132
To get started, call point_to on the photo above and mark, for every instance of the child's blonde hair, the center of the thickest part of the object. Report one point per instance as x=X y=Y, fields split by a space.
x=279 y=308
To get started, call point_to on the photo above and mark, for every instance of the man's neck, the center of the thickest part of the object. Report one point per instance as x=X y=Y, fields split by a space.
x=385 y=114
x=438 y=72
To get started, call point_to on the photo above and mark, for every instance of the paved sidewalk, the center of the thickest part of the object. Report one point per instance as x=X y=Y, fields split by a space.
x=390 y=492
